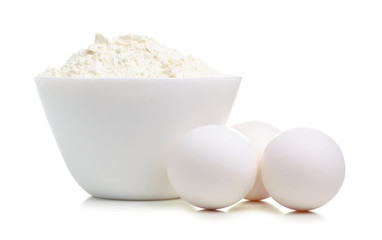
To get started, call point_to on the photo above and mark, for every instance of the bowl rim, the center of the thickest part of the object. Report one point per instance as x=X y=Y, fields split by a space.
x=232 y=77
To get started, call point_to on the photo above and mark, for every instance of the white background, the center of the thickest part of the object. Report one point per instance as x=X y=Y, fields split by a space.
x=304 y=63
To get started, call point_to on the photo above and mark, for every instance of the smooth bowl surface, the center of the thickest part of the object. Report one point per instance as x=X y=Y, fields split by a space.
x=114 y=134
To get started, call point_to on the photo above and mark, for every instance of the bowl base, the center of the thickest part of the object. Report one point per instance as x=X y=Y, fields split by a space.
x=136 y=199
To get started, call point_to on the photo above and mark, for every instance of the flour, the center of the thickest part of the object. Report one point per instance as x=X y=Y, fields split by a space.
x=130 y=56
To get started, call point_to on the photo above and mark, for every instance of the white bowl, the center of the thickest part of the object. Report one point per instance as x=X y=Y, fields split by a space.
x=114 y=133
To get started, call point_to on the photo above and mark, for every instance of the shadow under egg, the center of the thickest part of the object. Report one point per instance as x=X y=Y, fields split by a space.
x=304 y=216
x=211 y=211
x=261 y=206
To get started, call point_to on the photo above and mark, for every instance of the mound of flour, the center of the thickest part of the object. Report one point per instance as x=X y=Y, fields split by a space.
x=130 y=56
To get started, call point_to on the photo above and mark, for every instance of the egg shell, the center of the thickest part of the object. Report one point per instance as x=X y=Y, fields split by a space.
x=259 y=134
x=212 y=167
x=302 y=168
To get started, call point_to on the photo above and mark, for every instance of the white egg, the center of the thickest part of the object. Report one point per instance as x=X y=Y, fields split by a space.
x=212 y=167
x=302 y=168
x=259 y=134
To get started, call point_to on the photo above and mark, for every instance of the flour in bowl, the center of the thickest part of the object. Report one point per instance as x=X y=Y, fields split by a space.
x=130 y=56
